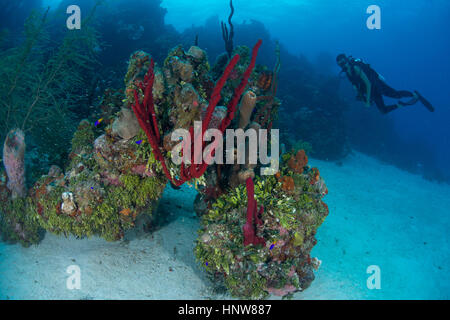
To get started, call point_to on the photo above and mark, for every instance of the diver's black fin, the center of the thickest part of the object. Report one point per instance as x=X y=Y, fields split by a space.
x=425 y=102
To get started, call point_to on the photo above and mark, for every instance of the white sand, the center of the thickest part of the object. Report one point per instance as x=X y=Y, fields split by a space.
x=379 y=215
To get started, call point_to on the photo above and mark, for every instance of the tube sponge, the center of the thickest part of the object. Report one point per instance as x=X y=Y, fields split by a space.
x=245 y=111
x=13 y=160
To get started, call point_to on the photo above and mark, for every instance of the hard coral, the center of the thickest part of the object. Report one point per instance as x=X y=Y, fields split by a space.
x=145 y=112
x=126 y=125
x=288 y=223
x=68 y=206
x=197 y=54
x=104 y=176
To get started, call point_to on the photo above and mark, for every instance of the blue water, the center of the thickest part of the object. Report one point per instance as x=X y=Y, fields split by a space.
x=411 y=51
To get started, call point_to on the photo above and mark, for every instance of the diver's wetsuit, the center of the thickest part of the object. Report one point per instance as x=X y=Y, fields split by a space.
x=379 y=88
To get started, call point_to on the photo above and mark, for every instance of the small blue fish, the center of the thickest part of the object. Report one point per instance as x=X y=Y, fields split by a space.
x=271 y=247
x=139 y=142
x=206 y=263
x=98 y=121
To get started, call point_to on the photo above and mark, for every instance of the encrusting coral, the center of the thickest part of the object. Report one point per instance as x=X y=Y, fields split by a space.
x=16 y=222
x=145 y=110
x=68 y=206
x=256 y=232
x=111 y=179
x=272 y=255
x=104 y=178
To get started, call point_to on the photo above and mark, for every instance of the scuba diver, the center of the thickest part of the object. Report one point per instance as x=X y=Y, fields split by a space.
x=372 y=87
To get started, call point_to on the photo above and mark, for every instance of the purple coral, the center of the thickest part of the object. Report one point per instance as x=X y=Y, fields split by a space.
x=13 y=160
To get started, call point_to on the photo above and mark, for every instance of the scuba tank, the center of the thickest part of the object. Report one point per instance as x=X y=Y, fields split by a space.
x=368 y=70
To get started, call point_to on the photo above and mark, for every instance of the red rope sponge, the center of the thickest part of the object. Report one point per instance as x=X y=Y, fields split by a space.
x=253 y=217
x=146 y=109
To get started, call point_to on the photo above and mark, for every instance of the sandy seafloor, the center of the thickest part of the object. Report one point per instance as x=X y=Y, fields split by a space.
x=379 y=215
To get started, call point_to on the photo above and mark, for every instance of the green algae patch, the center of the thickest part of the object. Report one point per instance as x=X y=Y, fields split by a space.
x=280 y=266
x=18 y=224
